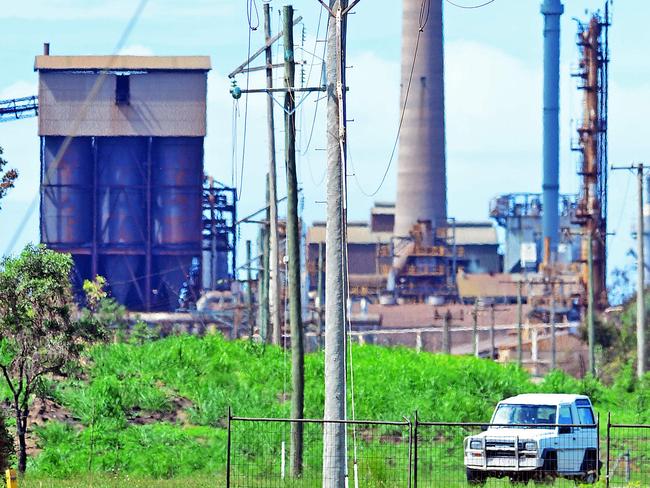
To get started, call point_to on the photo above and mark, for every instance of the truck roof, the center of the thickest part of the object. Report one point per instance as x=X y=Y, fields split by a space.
x=544 y=398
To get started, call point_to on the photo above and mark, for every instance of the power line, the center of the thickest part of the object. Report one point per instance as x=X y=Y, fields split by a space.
x=77 y=121
x=469 y=7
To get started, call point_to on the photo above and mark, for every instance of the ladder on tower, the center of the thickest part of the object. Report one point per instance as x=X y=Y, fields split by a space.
x=18 y=108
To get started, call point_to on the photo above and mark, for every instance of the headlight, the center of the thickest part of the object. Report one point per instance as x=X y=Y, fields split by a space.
x=530 y=446
x=475 y=444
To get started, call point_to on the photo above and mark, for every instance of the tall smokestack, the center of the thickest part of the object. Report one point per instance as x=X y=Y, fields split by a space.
x=421 y=175
x=552 y=10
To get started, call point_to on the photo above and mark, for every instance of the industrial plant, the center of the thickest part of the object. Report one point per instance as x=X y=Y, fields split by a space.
x=123 y=190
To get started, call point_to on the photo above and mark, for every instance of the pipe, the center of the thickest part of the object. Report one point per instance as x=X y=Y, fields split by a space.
x=552 y=10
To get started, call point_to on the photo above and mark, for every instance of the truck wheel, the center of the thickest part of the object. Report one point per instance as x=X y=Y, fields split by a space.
x=590 y=466
x=476 y=477
x=548 y=472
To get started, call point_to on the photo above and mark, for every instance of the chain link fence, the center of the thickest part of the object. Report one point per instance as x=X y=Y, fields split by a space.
x=415 y=453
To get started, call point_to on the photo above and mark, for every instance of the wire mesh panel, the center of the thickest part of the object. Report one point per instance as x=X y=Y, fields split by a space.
x=629 y=455
x=260 y=455
x=457 y=454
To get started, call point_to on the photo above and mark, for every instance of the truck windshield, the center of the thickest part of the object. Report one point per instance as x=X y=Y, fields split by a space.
x=524 y=414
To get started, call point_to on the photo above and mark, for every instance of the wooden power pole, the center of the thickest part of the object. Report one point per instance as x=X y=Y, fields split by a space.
x=293 y=248
x=272 y=202
x=640 y=301
x=334 y=434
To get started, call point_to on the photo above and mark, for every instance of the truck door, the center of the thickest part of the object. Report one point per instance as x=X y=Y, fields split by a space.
x=569 y=455
x=587 y=437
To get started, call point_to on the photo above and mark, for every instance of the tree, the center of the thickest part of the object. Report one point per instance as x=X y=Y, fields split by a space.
x=7 y=178
x=40 y=333
x=7 y=450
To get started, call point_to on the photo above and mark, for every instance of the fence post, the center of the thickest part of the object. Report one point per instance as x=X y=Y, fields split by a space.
x=410 y=475
x=415 y=451
x=228 y=450
x=609 y=428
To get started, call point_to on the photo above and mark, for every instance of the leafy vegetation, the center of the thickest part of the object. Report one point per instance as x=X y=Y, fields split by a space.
x=157 y=409
x=38 y=333
x=7 y=177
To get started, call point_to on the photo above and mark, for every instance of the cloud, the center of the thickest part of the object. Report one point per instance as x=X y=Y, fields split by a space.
x=136 y=50
x=19 y=89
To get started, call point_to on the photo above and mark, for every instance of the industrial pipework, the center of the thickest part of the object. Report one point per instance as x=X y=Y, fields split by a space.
x=552 y=10
x=421 y=173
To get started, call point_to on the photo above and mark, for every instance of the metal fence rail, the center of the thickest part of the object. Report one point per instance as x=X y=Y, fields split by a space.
x=259 y=453
x=628 y=455
x=414 y=453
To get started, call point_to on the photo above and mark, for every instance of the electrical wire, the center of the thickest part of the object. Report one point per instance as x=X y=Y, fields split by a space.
x=77 y=121
x=620 y=217
x=243 y=151
x=470 y=7
x=313 y=122
x=425 y=9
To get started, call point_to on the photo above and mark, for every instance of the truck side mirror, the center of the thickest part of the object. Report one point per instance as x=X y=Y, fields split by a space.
x=484 y=428
x=564 y=429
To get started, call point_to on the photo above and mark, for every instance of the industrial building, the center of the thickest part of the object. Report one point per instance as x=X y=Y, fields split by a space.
x=122 y=176
x=468 y=246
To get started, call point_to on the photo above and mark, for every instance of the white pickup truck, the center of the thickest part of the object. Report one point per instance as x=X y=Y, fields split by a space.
x=536 y=437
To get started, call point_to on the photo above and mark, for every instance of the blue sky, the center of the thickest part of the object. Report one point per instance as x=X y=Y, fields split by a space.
x=493 y=81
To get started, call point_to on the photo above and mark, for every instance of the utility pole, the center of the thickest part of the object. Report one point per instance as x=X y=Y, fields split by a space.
x=272 y=198
x=446 y=338
x=334 y=434
x=263 y=284
x=590 y=304
x=293 y=248
x=493 y=348
x=475 y=328
x=640 y=301
x=520 y=352
x=321 y=294
x=249 y=289
x=553 y=329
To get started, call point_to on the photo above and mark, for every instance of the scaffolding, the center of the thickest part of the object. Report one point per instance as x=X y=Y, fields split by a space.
x=591 y=144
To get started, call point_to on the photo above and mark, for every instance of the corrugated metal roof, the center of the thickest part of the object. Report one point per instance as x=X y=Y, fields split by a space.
x=123 y=63
x=484 y=234
x=358 y=234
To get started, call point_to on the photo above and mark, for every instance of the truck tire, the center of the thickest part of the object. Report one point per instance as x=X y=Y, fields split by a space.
x=590 y=467
x=548 y=472
x=475 y=477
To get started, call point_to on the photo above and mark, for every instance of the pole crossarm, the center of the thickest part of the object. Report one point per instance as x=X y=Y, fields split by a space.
x=285 y=90
x=267 y=44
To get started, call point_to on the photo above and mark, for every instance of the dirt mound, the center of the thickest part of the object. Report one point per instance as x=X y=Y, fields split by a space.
x=177 y=414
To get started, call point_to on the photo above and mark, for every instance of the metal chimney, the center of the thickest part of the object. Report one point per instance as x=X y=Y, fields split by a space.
x=421 y=174
x=552 y=10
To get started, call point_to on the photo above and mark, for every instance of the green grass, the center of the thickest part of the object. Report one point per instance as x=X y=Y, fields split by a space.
x=125 y=381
